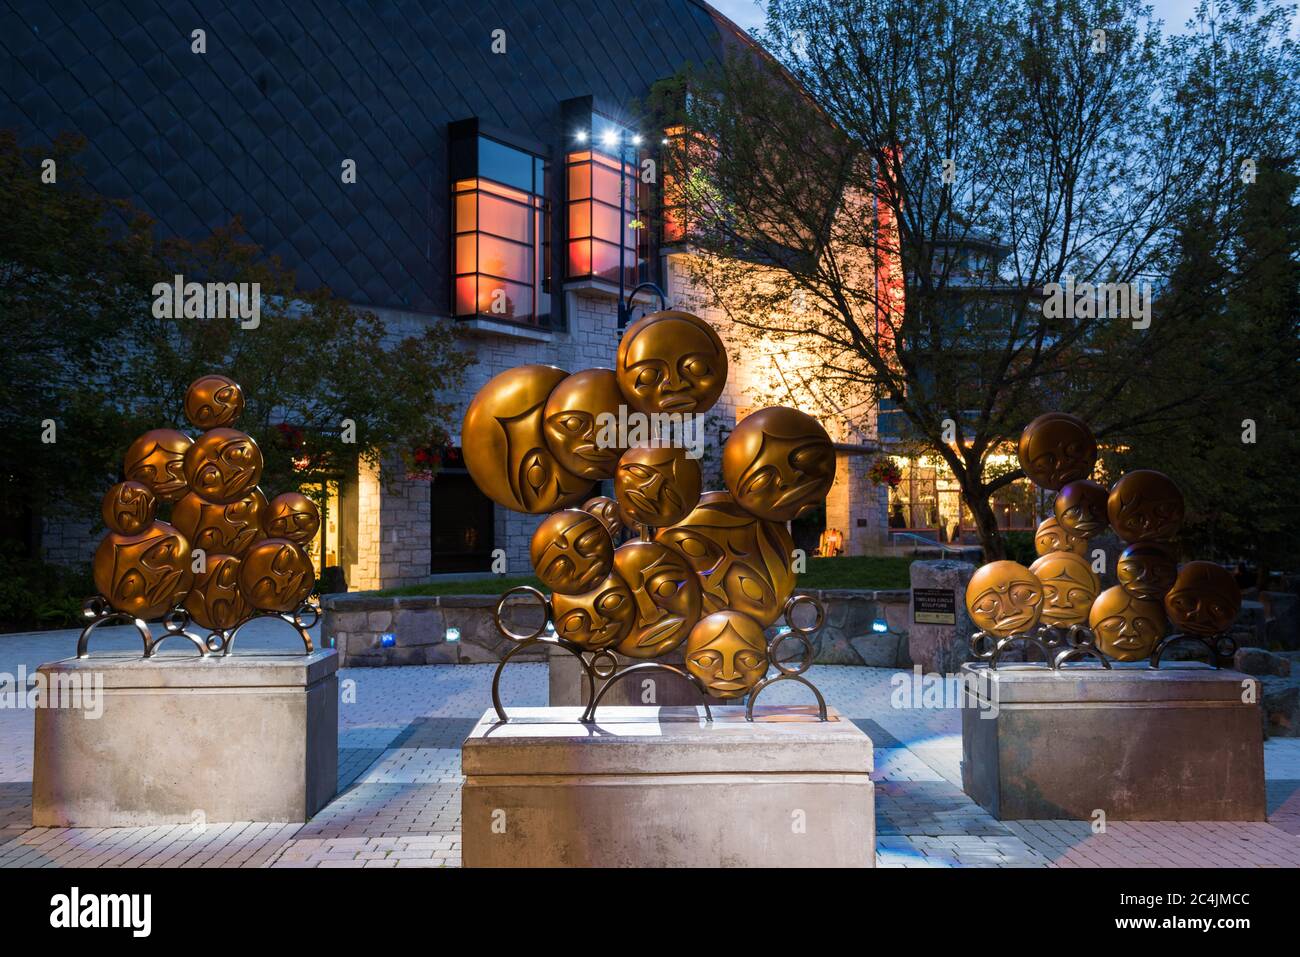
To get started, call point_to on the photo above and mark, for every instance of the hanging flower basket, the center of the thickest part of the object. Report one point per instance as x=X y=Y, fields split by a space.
x=885 y=471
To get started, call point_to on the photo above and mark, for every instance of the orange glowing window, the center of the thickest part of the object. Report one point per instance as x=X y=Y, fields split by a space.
x=501 y=250
x=595 y=196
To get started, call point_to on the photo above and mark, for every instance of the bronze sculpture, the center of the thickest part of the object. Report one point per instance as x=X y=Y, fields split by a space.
x=292 y=515
x=575 y=423
x=1069 y=587
x=657 y=487
x=1004 y=598
x=778 y=463
x=1145 y=506
x=1204 y=599
x=1057 y=448
x=598 y=618
x=1081 y=508
x=1147 y=570
x=666 y=592
x=218 y=528
x=728 y=653
x=671 y=362
x=605 y=509
x=213 y=401
x=129 y=508
x=1126 y=628
x=1050 y=537
x=571 y=551
x=157 y=460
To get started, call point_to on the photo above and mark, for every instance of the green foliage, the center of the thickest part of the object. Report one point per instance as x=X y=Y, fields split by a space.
x=36 y=595
x=87 y=349
x=1020 y=547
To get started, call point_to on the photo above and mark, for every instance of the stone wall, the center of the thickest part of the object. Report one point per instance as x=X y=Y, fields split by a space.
x=355 y=625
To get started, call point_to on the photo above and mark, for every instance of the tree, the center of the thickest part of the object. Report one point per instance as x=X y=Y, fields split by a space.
x=959 y=159
x=88 y=349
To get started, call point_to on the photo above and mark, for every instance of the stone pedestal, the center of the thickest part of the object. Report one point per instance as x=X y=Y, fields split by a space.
x=938 y=626
x=1174 y=744
x=252 y=737
x=662 y=787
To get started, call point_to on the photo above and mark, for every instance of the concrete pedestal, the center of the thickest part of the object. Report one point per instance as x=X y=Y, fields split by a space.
x=1182 y=743
x=246 y=738
x=662 y=787
x=568 y=688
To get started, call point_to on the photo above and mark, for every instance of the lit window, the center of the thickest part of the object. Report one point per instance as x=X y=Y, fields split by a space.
x=501 y=253
x=601 y=190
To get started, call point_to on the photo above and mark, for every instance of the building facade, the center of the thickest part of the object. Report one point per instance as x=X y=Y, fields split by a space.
x=472 y=161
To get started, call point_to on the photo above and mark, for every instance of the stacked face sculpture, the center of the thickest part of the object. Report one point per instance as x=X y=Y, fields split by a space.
x=227 y=552
x=706 y=571
x=1061 y=590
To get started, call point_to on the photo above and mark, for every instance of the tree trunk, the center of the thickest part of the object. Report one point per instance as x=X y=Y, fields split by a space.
x=986 y=523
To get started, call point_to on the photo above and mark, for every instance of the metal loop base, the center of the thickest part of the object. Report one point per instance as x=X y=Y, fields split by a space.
x=1056 y=646
x=1216 y=648
x=589 y=716
x=224 y=641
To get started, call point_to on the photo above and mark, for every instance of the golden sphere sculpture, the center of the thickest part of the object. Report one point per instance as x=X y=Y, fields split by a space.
x=223 y=465
x=221 y=529
x=157 y=460
x=129 y=508
x=1145 y=506
x=744 y=562
x=671 y=362
x=1124 y=627
x=276 y=575
x=505 y=449
x=605 y=509
x=1004 y=598
x=214 y=600
x=1050 y=537
x=657 y=486
x=213 y=402
x=1057 y=448
x=666 y=592
x=1081 y=508
x=1204 y=599
x=576 y=423
x=1069 y=587
x=778 y=463
x=291 y=515
x=598 y=618
x=727 y=652
x=571 y=551
x=143 y=575
x=1147 y=570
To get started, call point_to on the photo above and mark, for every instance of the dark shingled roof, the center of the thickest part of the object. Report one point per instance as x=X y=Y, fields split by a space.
x=259 y=125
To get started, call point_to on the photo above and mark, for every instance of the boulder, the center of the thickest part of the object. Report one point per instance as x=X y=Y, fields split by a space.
x=1261 y=661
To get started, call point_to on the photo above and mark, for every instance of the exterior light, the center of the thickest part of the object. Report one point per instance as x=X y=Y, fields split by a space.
x=387 y=639
x=664 y=141
x=636 y=140
x=610 y=138
x=879 y=626
x=580 y=136
x=452 y=634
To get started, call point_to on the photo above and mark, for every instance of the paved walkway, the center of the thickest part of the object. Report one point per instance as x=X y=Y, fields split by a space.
x=399 y=786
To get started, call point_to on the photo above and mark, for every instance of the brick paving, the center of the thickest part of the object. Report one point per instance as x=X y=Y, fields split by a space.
x=399 y=777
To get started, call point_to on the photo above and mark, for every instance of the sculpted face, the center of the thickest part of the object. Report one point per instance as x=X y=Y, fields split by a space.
x=571 y=423
x=213 y=402
x=666 y=593
x=1081 y=508
x=215 y=601
x=157 y=460
x=1057 y=448
x=1004 y=598
x=727 y=651
x=221 y=529
x=276 y=575
x=223 y=465
x=778 y=464
x=657 y=487
x=1147 y=570
x=1205 y=599
x=1145 y=506
x=1069 y=587
x=1050 y=537
x=143 y=575
x=505 y=450
x=598 y=618
x=292 y=515
x=571 y=552
x=743 y=562
x=671 y=362
x=129 y=508
x=1126 y=628
x=606 y=511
